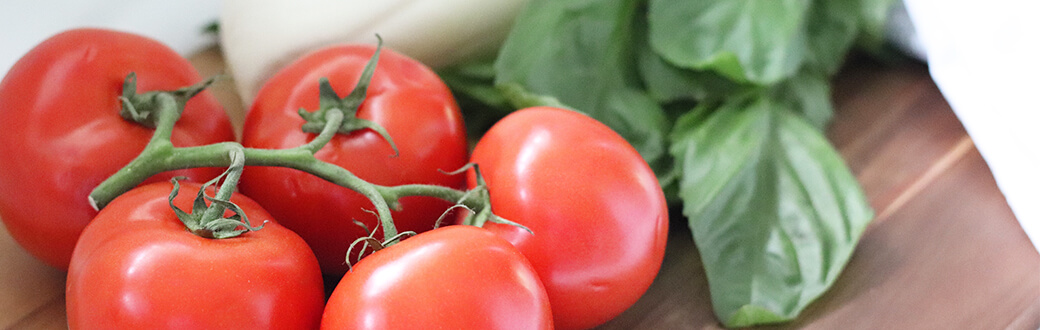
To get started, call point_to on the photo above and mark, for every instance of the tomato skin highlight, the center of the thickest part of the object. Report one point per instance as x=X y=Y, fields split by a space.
x=61 y=133
x=455 y=277
x=405 y=97
x=598 y=214
x=137 y=267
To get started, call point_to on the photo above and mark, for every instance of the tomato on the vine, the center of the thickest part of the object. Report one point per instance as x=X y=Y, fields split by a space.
x=455 y=277
x=597 y=213
x=61 y=133
x=137 y=267
x=404 y=97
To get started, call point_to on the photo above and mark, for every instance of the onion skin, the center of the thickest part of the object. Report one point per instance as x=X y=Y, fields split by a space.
x=258 y=37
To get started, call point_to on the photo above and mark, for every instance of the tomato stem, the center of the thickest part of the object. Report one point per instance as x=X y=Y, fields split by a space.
x=481 y=213
x=162 y=109
x=328 y=100
x=234 y=172
x=208 y=221
x=333 y=120
x=160 y=155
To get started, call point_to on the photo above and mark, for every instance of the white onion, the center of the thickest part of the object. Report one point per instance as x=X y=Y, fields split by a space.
x=261 y=36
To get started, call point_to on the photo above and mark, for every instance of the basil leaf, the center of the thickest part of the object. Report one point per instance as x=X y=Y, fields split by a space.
x=579 y=52
x=808 y=94
x=520 y=98
x=832 y=27
x=873 y=14
x=481 y=103
x=759 y=41
x=474 y=80
x=666 y=82
x=774 y=211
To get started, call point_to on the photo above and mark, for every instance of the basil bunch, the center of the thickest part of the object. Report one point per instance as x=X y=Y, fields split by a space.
x=727 y=101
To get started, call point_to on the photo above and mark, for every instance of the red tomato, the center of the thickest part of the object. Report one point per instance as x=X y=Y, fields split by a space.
x=137 y=267
x=456 y=277
x=61 y=133
x=405 y=97
x=599 y=217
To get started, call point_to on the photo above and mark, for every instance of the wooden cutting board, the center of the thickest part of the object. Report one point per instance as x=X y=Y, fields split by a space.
x=944 y=252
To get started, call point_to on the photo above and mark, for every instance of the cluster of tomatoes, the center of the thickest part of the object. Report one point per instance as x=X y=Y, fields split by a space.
x=594 y=219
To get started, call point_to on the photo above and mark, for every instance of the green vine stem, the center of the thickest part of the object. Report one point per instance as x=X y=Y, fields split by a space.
x=237 y=158
x=208 y=221
x=160 y=156
x=161 y=110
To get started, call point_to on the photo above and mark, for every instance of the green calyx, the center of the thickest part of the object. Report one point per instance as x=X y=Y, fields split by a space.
x=329 y=100
x=143 y=108
x=208 y=221
x=370 y=241
x=481 y=212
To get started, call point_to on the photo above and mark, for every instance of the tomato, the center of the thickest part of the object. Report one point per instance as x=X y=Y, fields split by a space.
x=455 y=277
x=137 y=267
x=61 y=133
x=404 y=97
x=598 y=215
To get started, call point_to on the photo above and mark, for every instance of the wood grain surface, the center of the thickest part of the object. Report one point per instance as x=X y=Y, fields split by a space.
x=944 y=252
